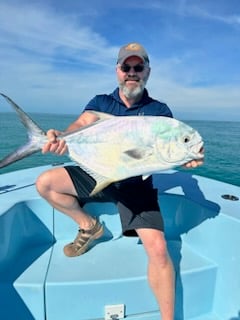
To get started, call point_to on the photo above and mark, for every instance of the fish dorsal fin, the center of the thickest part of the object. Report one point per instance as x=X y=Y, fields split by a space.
x=101 y=115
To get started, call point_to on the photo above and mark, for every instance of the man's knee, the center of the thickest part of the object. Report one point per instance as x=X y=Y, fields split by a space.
x=160 y=256
x=159 y=248
x=42 y=183
x=155 y=244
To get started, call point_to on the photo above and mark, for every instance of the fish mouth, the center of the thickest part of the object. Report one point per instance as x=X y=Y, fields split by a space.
x=199 y=150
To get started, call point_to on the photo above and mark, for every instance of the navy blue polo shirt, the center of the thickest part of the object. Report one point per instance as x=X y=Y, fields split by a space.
x=112 y=103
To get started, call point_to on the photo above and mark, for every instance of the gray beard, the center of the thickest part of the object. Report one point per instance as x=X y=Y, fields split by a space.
x=132 y=93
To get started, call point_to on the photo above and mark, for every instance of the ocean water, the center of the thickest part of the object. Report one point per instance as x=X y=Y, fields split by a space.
x=222 y=145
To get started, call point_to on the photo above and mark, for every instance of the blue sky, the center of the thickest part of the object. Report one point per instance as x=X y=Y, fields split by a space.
x=56 y=55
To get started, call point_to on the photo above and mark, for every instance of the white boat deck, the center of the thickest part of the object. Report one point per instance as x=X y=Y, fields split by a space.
x=202 y=229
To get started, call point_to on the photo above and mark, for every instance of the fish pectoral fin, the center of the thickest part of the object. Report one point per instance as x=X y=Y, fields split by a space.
x=101 y=117
x=139 y=153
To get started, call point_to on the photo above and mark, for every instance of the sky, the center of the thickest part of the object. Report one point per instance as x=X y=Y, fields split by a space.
x=57 y=55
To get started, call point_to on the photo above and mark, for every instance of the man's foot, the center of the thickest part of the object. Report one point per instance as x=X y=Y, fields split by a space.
x=83 y=240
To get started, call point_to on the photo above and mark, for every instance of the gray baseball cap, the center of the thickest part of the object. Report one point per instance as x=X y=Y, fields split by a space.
x=130 y=50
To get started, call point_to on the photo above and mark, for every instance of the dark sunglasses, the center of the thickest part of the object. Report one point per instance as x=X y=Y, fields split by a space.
x=137 y=68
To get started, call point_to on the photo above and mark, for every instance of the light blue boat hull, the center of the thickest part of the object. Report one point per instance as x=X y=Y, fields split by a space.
x=38 y=282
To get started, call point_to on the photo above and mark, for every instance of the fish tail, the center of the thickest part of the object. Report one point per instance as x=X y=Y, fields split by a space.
x=36 y=136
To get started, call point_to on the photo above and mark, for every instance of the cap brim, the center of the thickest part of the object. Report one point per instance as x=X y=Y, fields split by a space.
x=123 y=59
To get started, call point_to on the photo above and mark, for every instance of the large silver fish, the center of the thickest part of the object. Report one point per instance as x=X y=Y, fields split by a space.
x=115 y=148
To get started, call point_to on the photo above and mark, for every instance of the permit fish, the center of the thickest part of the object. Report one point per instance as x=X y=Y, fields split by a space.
x=115 y=147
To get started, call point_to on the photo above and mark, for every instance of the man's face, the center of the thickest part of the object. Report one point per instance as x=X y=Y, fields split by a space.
x=132 y=81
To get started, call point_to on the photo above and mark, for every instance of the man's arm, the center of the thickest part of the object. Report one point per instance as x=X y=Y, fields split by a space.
x=59 y=146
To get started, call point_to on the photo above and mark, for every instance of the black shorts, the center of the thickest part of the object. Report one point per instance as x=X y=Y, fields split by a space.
x=135 y=198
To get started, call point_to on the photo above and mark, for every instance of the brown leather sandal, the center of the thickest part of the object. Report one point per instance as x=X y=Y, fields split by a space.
x=83 y=240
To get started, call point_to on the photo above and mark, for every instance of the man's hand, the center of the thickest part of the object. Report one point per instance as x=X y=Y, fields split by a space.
x=54 y=145
x=193 y=164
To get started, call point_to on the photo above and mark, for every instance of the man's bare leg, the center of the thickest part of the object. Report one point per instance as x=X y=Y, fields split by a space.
x=57 y=188
x=161 y=273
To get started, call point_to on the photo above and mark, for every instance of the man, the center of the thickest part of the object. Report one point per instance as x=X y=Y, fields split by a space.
x=67 y=189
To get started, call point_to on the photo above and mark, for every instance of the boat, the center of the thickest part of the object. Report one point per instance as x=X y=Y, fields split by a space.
x=202 y=225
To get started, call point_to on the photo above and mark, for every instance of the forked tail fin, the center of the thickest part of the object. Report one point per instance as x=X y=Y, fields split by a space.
x=36 y=136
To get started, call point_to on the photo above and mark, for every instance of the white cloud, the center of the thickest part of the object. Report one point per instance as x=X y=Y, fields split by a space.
x=211 y=10
x=200 y=101
x=47 y=56
x=45 y=33
x=52 y=61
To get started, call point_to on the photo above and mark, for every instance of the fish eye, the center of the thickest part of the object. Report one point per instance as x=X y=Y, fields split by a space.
x=186 y=139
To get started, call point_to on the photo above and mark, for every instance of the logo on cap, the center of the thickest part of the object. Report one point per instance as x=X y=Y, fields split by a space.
x=133 y=47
